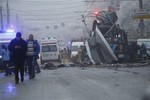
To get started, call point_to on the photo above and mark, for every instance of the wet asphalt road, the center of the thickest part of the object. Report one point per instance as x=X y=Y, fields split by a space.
x=78 y=84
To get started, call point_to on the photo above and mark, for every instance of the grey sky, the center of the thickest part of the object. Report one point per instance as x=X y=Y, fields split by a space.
x=40 y=16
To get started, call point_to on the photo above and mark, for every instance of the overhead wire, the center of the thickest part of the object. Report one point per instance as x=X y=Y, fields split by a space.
x=58 y=11
x=49 y=2
x=52 y=10
x=65 y=11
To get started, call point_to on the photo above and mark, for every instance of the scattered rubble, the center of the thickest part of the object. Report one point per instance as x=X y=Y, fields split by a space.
x=51 y=65
x=124 y=65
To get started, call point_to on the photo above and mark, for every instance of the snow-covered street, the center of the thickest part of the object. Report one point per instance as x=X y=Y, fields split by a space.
x=79 y=84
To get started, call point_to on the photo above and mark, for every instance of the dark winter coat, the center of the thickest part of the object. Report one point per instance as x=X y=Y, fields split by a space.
x=18 y=49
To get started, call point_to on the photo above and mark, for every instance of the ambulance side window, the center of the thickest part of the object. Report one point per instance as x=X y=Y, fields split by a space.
x=53 y=48
x=45 y=48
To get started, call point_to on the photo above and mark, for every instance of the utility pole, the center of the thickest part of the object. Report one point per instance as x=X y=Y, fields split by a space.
x=141 y=24
x=1 y=15
x=8 y=15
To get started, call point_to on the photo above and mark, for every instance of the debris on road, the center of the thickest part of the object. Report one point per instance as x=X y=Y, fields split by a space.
x=128 y=65
x=52 y=65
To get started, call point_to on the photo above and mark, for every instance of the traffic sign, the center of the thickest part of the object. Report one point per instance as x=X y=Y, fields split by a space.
x=141 y=14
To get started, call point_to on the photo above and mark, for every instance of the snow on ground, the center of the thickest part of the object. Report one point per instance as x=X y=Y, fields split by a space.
x=79 y=84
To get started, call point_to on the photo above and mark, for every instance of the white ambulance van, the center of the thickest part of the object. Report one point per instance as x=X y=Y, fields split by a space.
x=49 y=50
x=5 y=38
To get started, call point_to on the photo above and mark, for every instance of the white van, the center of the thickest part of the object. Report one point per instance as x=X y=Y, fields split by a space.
x=49 y=50
x=5 y=39
x=75 y=46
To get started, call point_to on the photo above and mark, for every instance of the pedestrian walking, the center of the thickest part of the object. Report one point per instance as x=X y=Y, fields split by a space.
x=5 y=58
x=33 y=50
x=18 y=49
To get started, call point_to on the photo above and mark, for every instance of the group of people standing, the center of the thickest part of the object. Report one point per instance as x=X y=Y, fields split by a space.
x=20 y=51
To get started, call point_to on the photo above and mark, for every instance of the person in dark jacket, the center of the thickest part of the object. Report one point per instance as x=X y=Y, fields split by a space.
x=18 y=49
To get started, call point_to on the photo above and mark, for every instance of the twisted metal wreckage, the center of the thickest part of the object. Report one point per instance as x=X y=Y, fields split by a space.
x=107 y=42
